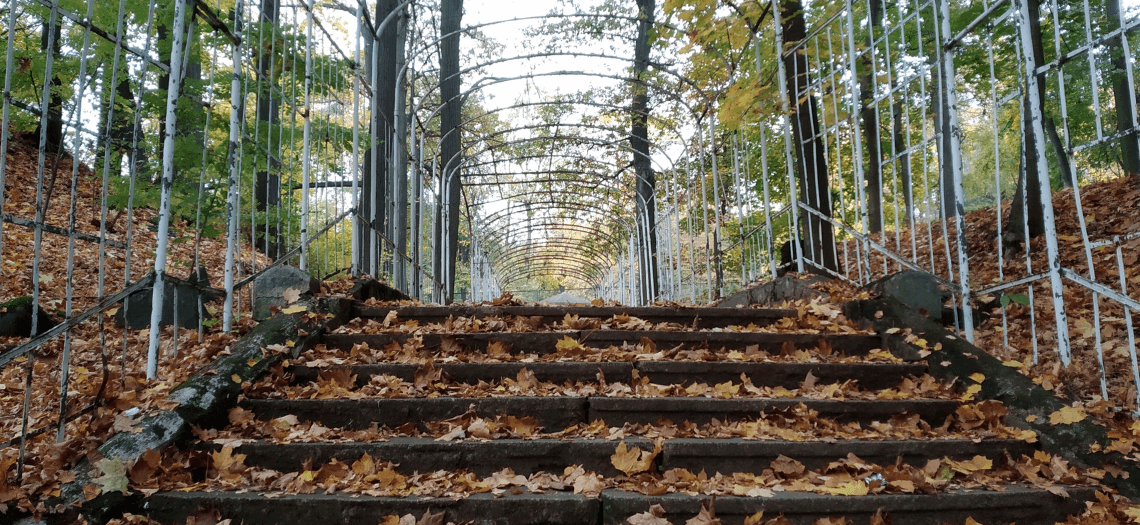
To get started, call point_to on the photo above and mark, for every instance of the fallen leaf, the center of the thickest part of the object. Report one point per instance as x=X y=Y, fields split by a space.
x=633 y=460
x=291 y=295
x=654 y=516
x=430 y=519
x=114 y=475
x=707 y=516
x=1067 y=416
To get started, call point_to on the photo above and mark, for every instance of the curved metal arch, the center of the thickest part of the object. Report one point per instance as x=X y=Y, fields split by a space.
x=540 y=103
x=590 y=282
x=612 y=240
x=576 y=206
x=521 y=254
x=496 y=80
x=500 y=246
x=512 y=273
x=620 y=144
x=516 y=258
x=427 y=46
x=528 y=157
x=592 y=181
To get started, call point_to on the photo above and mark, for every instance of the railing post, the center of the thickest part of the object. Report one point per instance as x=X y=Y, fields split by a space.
x=306 y=164
x=789 y=151
x=955 y=165
x=233 y=195
x=1033 y=95
x=167 y=186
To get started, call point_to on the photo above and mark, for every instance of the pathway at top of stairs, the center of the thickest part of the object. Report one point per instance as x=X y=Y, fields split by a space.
x=527 y=415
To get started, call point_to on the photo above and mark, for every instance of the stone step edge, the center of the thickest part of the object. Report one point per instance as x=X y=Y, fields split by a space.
x=526 y=456
x=613 y=506
x=563 y=411
x=870 y=375
x=559 y=312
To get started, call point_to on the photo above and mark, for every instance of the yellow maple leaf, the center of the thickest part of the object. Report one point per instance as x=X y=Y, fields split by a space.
x=851 y=488
x=1067 y=416
x=633 y=460
x=364 y=466
x=973 y=465
x=567 y=344
x=978 y=377
x=727 y=390
x=295 y=309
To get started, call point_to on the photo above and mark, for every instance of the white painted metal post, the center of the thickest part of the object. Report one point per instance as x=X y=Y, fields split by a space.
x=1033 y=94
x=232 y=204
x=354 y=218
x=951 y=114
x=306 y=138
x=167 y=185
x=789 y=151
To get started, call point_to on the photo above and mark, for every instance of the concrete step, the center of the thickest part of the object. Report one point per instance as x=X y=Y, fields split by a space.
x=1016 y=504
x=528 y=456
x=1023 y=505
x=556 y=413
x=543 y=342
x=871 y=376
x=700 y=318
x=251 y=508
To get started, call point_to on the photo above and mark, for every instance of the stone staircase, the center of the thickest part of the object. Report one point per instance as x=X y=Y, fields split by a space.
x=602 y=415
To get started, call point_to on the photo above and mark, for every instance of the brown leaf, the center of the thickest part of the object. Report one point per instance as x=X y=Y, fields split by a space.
x=633 y=460
x=654 y=516
x=707 y=516
x=809 y=382
x=787 y=466
x=142 y=472
x=430 y=519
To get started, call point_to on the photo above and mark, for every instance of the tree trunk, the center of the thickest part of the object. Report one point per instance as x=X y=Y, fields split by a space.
x=450 y=18
x=1029 y=184
x=903 y=161
x=1123 y=94
x=810 y=153
x=941 y=106
x=52 y=116
x=642 y=165
x=380 y=69
x=115 y=136
x=870 y=116
x=400 y=161
x=267 y=182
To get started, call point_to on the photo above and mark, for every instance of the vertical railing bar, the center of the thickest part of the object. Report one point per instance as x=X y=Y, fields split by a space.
x=959 y=188
x=306 y=163
x=740 y=208
x=1033 y=92
x=767 y=198
x=4 y=119
x=1128 y=328
x=233 y=206
x=789 y=154
x=65 y=358
x=174 y=87
x=1090 y=41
